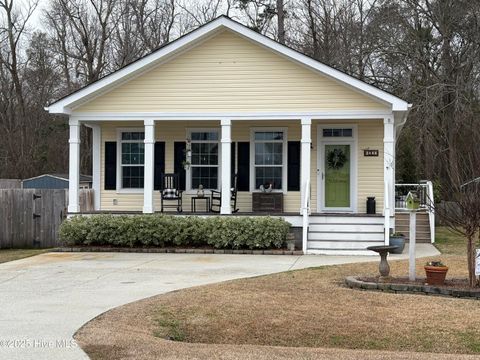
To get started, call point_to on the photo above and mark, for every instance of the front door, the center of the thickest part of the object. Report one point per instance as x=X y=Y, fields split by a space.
x=336 y=167
x=337 y=176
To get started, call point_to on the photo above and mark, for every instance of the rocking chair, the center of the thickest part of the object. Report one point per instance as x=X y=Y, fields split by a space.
x=216 y=198
x=169 y=192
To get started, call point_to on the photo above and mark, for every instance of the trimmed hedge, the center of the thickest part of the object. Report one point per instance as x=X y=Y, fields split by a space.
x=166 y=230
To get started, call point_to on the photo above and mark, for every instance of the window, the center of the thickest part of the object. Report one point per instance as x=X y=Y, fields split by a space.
x=204 y=159
x=269 y=158
x=337 y=132
x=132 y=159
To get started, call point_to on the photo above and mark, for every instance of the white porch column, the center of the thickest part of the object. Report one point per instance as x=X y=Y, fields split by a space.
x=388 y=172
x=96 y=154
x=149 y=163
x=226 y=142
x=306 y=143
x=74 y=166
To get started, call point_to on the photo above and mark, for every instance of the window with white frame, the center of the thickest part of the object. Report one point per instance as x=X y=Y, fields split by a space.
x=269 y=158
x=132 y=159
x=204 y=159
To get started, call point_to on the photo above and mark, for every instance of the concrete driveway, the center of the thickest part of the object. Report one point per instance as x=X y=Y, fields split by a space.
x=46 y=298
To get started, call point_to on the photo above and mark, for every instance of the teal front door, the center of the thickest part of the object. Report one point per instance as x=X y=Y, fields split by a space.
x=337 y=176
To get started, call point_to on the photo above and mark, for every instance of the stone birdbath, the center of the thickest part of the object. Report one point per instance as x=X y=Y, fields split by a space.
x=383 y=250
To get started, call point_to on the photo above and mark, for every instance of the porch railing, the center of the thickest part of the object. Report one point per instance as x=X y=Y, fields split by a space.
x=305 y=215
x=424 y=191
x=386 y=214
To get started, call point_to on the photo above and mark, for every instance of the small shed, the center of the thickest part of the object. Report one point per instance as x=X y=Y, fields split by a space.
x=55 y=181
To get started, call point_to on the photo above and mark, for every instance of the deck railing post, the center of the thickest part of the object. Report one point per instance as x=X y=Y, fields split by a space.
x=149 y=164
x=74 y=166
x=226 y=141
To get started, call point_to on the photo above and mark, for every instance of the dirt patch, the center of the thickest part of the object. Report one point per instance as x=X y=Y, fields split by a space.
x=309 y=310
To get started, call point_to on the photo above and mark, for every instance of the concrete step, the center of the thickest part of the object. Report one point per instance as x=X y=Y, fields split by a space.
x=318 y=219
x=341 y=245
x=344 y=252
x=346 y=236
x=346 y=227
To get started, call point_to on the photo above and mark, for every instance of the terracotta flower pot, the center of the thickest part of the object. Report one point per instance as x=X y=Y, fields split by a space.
x=436 y=274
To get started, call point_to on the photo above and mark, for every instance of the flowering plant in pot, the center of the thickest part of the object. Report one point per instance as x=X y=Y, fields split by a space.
x=436 y=272
x=397 y=239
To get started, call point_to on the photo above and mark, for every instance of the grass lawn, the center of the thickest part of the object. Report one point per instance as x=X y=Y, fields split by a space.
x=15 y=254
x=308 y=310
x=448 y=242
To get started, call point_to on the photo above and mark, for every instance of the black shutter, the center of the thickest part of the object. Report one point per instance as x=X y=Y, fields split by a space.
x=232 y=162
x=179 y=148
x=110 y=165
x=159 y=168
x=243 y=180
x=293 y=167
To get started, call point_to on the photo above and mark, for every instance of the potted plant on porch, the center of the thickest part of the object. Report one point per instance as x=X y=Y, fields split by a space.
x=290 y=241
x=436 y=272
x=397 y=239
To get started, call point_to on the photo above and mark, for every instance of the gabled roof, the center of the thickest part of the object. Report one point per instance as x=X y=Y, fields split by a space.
x=83 y=178
x=67 y=103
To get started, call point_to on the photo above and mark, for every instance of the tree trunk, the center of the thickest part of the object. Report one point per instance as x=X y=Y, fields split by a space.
x=471 y=254
x=281 y=22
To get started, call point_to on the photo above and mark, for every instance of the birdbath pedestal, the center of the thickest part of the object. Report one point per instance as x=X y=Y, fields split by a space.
x=383 y=250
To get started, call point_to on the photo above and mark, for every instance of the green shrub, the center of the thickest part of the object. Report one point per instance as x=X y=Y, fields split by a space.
x=165 y=230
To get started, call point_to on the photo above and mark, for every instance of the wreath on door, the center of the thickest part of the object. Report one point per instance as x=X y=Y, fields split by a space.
x=336 y=159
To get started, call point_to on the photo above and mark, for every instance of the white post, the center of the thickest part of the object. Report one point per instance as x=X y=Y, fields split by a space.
x=226 y=142
x=149 y=165
x=388 y=172
x=306 y=143
x=412 y=245
x=96 y=153
x=74 y=167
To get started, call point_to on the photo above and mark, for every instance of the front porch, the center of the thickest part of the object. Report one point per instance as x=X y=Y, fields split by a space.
x=130 y=156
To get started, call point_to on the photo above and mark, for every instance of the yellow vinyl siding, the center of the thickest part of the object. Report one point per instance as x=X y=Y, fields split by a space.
x=228 y=73
x=369 y=169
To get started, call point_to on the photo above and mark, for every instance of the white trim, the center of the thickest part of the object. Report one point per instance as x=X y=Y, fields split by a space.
x=148 y=166
x=64 y=106
x=284 y=160
x=389 y=161
x=305 y=165
x=218 y=116
x=74 y=167
x=188 y=172
x=120 y=189
x=353 y=142
x=96 y=164
x=225 y=171
x=58 y=177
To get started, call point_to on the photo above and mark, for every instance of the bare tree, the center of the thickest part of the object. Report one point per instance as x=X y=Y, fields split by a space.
x=281 y=21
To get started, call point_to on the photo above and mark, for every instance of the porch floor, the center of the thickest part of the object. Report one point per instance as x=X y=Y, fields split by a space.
x=114 y=212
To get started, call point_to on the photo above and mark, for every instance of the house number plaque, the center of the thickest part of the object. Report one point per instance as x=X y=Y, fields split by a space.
x=369 y=152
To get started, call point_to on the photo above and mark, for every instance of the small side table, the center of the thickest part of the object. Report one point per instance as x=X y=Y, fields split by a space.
x=194 y=203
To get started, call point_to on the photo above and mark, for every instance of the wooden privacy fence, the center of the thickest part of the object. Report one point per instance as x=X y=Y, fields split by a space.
x=32 y=217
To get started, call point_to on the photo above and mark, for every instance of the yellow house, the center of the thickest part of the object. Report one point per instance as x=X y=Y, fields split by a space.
x=231 y=111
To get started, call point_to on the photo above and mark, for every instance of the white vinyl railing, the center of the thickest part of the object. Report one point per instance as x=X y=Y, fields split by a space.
x=305 y=215
x=387 y=214
x=424 y=190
